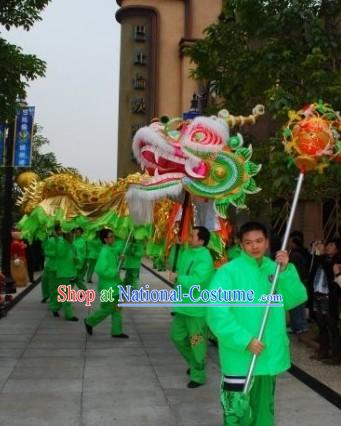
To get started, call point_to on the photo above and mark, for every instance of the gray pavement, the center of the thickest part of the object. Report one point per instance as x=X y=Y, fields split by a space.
x=52 y=373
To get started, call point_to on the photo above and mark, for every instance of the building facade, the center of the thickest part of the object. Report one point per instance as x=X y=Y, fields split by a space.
x=154 y=71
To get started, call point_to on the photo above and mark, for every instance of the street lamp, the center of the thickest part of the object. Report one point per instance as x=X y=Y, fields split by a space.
x=8 y=204
x=7 y=209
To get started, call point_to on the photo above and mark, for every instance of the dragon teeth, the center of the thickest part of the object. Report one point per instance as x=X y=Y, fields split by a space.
x=156 y=155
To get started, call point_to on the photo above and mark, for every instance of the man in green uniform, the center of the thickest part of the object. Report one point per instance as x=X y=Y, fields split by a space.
x=109 y=279
x=66 y=273
x=189 y=328
x=237 y=327
x=132 y=263
x=48 y=281
x=93 y=248
x=80 y=246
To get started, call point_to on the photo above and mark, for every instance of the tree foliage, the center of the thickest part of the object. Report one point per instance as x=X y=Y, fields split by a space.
x=17 y=68
x=42 y=163
x=281 y=53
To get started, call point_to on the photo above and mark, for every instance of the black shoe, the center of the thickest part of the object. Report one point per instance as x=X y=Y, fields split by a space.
x=44 y=300
x=121 y=336
x=193 y=384
x=188 y=371
x=88 y=328
x=55 y=314
x=213 y=342
x=73 y=319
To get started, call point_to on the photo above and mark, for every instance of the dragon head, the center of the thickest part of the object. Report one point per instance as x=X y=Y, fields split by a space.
x=199 y=156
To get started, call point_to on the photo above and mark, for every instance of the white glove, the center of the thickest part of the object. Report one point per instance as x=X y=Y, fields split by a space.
x=17 y=261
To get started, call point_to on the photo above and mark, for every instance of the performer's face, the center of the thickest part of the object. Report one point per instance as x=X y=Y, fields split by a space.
x=109 y=239
x=194 y=240
x=69 y=236
x=255 y=244
x=59 y=232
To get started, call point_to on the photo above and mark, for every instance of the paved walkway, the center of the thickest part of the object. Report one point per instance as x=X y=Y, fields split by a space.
x=52 y=373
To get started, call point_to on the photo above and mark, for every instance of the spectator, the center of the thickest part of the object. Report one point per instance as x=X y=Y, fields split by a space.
x=299 y=256
x=18 y=260
x=325 y=302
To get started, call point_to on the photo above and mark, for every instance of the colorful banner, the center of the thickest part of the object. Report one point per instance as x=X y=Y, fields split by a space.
x=2 y=144
x=23 y=137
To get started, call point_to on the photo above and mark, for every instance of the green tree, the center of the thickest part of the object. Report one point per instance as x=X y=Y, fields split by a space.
x=17 y=68
x=283 y=54
x=42 y=163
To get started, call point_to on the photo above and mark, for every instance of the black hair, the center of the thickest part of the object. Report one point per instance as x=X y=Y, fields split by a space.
x=252 y=226
x=57 y=228
x=67 y=234
x=104 y=233
x=336 y=241
x=203 y=234
x=297 y=238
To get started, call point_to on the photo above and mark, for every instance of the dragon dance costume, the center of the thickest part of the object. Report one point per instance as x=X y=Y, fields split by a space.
x=235 y=327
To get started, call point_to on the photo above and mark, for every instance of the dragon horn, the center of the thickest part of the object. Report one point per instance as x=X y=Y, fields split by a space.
x=240 y=120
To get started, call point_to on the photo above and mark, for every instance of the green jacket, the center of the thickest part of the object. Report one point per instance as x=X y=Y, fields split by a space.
x=50 y=252
x=106 y=268
x=66 y=260
x=233 y=252
x=118 y=246
x=133 y=255
x=93 y=248
x=194 y=267
x=80 y=246
x=235 y=327
x=171 y=256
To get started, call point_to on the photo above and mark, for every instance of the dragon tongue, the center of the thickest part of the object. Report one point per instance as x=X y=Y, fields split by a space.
x=156 y=172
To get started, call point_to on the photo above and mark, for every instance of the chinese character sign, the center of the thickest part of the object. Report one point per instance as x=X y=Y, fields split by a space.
x=2 y=143
x=23 y=137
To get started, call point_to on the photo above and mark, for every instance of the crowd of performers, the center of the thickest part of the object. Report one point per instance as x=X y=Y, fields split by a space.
x=71 y=259
x=307 y=281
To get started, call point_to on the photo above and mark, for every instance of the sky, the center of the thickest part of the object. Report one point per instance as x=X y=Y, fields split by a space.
x=77 y=102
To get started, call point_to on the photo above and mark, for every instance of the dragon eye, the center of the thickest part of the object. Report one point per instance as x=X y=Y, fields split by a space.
x=198 y=136
x=219 y=172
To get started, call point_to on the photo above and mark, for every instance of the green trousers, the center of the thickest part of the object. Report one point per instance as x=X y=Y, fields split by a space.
x=253 y=409
x=52 y=280
x=189 y=335
x=105 y=309
x=159 y=264
x=45 y=286
x=54 y=305
x=132 y=277
x=80 y=278
x=91 y=269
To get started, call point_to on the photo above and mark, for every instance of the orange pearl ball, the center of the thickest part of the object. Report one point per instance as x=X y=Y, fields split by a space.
x=312 y=135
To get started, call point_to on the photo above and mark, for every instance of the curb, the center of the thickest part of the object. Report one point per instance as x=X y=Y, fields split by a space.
x=5 y=308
